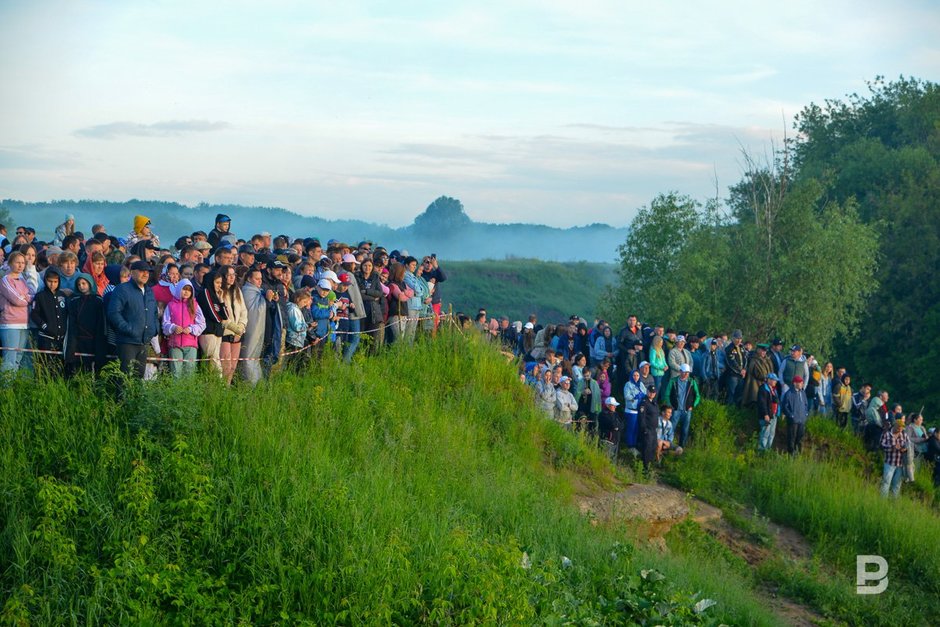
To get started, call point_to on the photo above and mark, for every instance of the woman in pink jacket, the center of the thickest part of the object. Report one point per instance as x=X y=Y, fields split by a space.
x=15 y=298
x=183 y=322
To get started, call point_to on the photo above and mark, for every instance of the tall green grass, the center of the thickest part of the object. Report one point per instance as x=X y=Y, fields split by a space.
x=826 y=493
x=417 y=487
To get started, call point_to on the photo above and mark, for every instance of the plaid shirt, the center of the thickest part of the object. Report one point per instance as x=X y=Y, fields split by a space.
x=895 y=456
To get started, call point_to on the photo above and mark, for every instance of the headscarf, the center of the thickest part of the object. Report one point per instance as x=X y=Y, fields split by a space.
x=100 y=281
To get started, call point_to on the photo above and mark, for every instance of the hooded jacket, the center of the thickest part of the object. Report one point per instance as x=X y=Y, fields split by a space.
x=177 y=314
x=370 y=290
x=49 y=316
x=85 y=332
x=15 y=297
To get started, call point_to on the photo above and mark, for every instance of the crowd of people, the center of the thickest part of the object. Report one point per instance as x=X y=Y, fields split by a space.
x=243 y=306
x=638 y=388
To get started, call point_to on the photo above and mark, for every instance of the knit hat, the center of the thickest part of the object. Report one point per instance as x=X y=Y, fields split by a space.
x=140 y=222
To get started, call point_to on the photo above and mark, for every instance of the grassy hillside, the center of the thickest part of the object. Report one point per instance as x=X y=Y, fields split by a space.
x=519 y=287
x=418 y=487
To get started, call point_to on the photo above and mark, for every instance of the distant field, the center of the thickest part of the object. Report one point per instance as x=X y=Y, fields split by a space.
x=519 y=287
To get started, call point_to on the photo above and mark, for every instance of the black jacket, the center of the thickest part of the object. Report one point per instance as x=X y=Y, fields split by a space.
x=370 y=288
x=648 y=419
x=49 y=314
x=213 y=310
x=736 y=359
x=85 y=332
x=766 y=398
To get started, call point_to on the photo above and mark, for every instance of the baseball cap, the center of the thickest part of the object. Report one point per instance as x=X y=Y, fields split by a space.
x=202 y=245
x=247 y=249
x=685 y=368
x=643 y=363
x=345 y=279
x=348 y=258
x=141 y=266
x=330 y=275
x=529 y=325
x=680 y=338
x=325 y=285
x=610 y=400
x=772 y=377
x=798 y=379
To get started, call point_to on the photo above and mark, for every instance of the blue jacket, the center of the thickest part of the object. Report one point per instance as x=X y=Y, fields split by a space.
x=794 y=406
x=132 y=314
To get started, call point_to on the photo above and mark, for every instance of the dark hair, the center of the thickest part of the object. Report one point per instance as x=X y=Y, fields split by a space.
x=68 y=240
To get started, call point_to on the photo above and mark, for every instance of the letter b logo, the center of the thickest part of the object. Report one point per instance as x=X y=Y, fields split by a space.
x=863 y=576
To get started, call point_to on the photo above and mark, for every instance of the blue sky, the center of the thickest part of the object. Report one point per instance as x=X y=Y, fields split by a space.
x=544 y=111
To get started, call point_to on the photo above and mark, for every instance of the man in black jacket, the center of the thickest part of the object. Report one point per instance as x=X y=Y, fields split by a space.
x=132 y=313
x=736 y=358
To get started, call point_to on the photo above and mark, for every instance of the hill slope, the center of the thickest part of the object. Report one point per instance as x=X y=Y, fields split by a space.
x=417 y=487
x=519 y=287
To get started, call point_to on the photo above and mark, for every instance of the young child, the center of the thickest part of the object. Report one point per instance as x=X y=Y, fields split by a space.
x=85 y=329
x=297 y=327
x=50 y=317
x=324 y=313
x=183 y=323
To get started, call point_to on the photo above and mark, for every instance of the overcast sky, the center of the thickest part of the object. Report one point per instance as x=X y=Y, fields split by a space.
x=543 y=111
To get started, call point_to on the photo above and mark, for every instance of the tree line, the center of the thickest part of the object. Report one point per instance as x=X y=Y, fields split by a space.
x=832 y=242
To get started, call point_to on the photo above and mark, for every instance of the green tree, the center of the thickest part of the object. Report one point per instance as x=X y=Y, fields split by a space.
x=767 y=268
x=443 y=217
x=883 y=149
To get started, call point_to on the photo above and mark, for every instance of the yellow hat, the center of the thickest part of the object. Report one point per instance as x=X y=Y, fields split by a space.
x=140 y=222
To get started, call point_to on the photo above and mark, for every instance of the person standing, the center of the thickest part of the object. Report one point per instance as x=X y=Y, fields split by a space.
x=894 y=443
x=648 y=417
x=768 y=409
x=132 y=313
x=759 y=367
x=15 y=298
x=796 y=410
x=842 y=400
x=736 y=360
x=682 y=396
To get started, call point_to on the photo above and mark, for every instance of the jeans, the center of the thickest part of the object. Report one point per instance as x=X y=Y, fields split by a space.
x=682 y=419
x=350 y=341
x=735 y=388
x=795 y=433
x=767 y=432
x=13 y=338
x=892 y=478
x=181 y=368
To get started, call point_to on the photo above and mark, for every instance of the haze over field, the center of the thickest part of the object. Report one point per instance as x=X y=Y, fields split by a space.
x=541 y=112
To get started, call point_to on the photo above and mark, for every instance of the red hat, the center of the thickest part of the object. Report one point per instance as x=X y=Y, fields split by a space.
x=798 y=379
x=344 y=279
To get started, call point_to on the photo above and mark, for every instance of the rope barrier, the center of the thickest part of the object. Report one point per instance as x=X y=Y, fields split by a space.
x=204 y=359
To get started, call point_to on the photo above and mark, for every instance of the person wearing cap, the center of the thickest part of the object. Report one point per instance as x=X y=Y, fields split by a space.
x=776 y=353
x=683 y=396
x=795 y=408
x=793 y=365
x=132 y=314
x=64 y=230
x=895 y=444
x=142 y=231
x=357 y=308
x=768 y=410
x=275 y=282
x=611 y=424
x=759 y=366
x=565 y=403
x=736 y=359
x=223 y=227
x=648 y=419
x=323 y=312
x=678 y=356
x=246 y=256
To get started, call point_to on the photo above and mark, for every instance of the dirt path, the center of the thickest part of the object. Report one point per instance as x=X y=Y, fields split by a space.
x=651 y=510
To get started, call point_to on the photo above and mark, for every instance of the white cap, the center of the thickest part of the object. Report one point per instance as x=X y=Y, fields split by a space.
x=612 y=401
x=323 y=284
x=685 y=368
x=529 y=325
x=329 y=274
